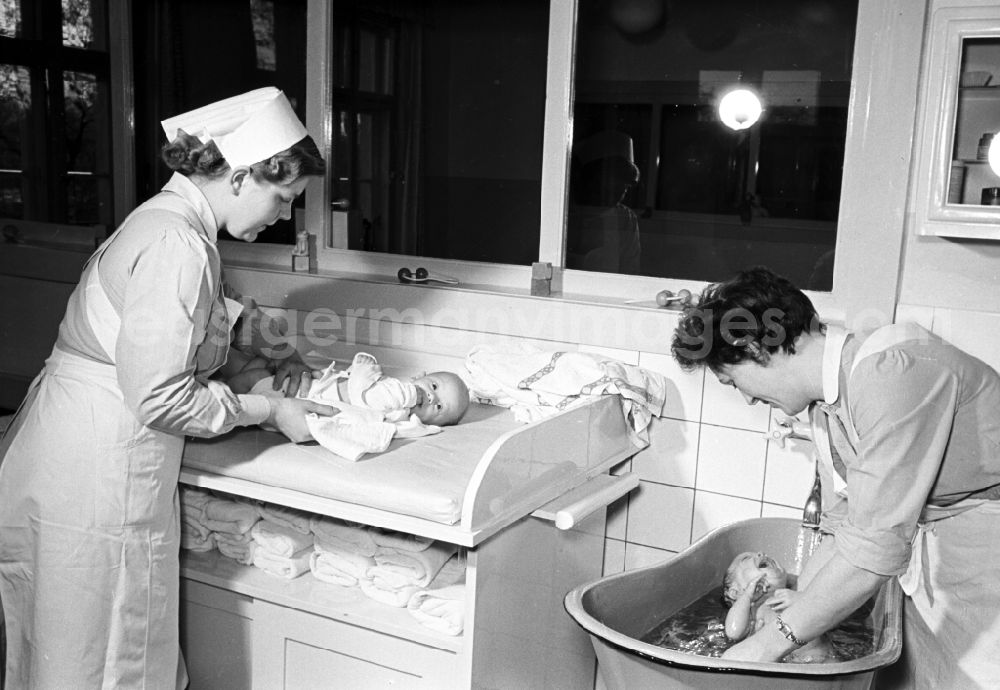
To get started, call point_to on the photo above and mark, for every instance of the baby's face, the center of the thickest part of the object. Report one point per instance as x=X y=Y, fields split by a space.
x=442 y=398
x=748 y=566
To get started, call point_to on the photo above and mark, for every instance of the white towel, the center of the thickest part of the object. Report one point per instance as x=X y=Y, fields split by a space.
x=397 y=597
x=194 y=499
x=233 y=517
x=351 y=434
x=239 y=552
x=401 y=541
x=297 y=520
x=279 y=540
x=196 y=538
x=537 y=384
x=339 y=567
x=288 y=567
x=396 y=569
x=441 y=606
x=336 y=534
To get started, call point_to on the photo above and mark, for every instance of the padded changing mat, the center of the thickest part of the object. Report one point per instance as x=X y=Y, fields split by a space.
x=423 y=477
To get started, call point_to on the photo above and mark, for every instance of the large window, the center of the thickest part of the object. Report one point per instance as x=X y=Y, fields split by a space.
x=55 y=115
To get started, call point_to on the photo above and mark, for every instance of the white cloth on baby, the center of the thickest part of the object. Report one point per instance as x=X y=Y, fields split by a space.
x=337 y=534
x=338 y=566
x=288 y=567
x=441 y=606
x=536 y=384
x=279 y=540
x=233 y=517
x=292 y=518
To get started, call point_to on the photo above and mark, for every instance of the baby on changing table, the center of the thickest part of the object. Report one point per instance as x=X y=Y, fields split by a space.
x=756 y=589
x=439 y=398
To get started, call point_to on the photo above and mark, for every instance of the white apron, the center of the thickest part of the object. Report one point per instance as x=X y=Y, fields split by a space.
x=951 y=622
x=89 y=530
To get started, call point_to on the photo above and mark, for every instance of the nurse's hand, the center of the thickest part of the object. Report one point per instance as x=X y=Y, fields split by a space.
x=299 y=375
x=288 y=415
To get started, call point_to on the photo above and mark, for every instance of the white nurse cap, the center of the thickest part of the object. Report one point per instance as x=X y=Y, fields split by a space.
x=248 y=128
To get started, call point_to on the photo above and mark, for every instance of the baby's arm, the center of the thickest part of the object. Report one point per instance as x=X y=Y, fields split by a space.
x=739 y=618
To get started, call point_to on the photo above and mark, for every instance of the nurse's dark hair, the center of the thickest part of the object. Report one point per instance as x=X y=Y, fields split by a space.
x=187 y=155
x=746 y=318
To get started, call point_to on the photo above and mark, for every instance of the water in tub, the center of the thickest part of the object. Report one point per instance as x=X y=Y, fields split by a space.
x=699 y=628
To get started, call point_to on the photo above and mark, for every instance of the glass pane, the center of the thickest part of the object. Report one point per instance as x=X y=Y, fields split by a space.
x=667 y=179
x=10 y=18
x=15 y=156
x=974 y=175
x=87 y=149
x=80 y=23
x=262 y=14
x=451 y=100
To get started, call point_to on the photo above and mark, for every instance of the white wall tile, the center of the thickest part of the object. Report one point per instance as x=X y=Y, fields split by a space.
x=725 y=406
x=790 y=472
x=731 y=461
x=618 y=518
x=624 y=356
x=614 y=556
x=715 y=510
x=638 y=556
x=773 y=510
x=672 y=455
x=684 y=389
x=660 y=516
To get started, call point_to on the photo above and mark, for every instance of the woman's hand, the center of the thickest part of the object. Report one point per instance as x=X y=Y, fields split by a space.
x=295 y=371
x=782 y=599
x=288 y=415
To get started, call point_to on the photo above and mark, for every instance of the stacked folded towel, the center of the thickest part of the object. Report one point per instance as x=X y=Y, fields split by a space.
x=230 y=523
x=280 y=549
x=441 y=606
x=343 y=551
x=405 y=567
x=195 y=536
x=297 y=520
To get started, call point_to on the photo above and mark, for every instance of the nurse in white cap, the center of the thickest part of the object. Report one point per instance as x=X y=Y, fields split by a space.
x=89 y=529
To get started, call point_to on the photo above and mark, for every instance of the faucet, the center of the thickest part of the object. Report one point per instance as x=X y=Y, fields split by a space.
x=786 y=428
x=814 y=505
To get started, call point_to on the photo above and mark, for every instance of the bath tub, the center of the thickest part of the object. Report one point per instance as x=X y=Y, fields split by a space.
x=619 y=609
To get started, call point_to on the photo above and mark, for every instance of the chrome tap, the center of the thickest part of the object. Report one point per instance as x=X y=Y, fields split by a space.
x=814 y=505
x=786 y=428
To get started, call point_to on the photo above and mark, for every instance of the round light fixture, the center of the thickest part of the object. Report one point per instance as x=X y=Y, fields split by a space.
x=740 y=109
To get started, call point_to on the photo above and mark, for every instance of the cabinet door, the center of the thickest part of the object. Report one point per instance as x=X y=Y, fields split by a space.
x=295 y=650
x=216 y=637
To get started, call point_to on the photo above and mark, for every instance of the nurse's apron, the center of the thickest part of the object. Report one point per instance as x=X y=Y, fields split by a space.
x=89 y=519
x=951 y=636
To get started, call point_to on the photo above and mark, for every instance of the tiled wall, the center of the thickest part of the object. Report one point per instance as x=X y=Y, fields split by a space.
x=709 y=463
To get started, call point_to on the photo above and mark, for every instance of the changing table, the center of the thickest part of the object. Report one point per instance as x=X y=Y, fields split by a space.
x=476 y=485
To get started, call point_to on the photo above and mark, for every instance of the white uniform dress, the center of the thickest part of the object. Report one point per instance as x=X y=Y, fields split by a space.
x=89 y=527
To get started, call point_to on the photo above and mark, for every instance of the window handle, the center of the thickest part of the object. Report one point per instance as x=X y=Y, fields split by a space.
x=342 y=204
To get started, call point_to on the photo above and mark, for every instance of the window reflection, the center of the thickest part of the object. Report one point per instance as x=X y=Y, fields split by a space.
x=10 y=18
x=711 y=200
x=87 y=152
x=15 y=105
x=78 y=24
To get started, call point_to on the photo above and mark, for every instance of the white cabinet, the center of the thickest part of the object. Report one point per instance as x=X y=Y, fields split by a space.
x=960 y=102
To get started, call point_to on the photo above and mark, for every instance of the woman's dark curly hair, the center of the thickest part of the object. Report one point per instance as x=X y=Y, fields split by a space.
x=749 y=317
x=188 y=156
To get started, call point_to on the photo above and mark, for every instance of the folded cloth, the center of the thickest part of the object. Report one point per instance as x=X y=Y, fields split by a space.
x=279 y=540
x=441 y=609
x=332 y=534
x=351 y=433
x=233 y=517
x=242 y=553
x=194 y=499
x=297 y=520
x=395 y=569
x=397 y=597
x=195 y=539
x=288 y=567
x=537 y=384
x=441 y=605
x=401 y=541
x=233 y=539
x=339 y=567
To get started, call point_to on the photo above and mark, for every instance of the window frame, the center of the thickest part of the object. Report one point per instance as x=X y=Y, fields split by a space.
x=872 y=218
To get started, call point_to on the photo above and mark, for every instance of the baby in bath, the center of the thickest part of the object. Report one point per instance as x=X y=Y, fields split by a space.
x=756 y=588
x=439 y=398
